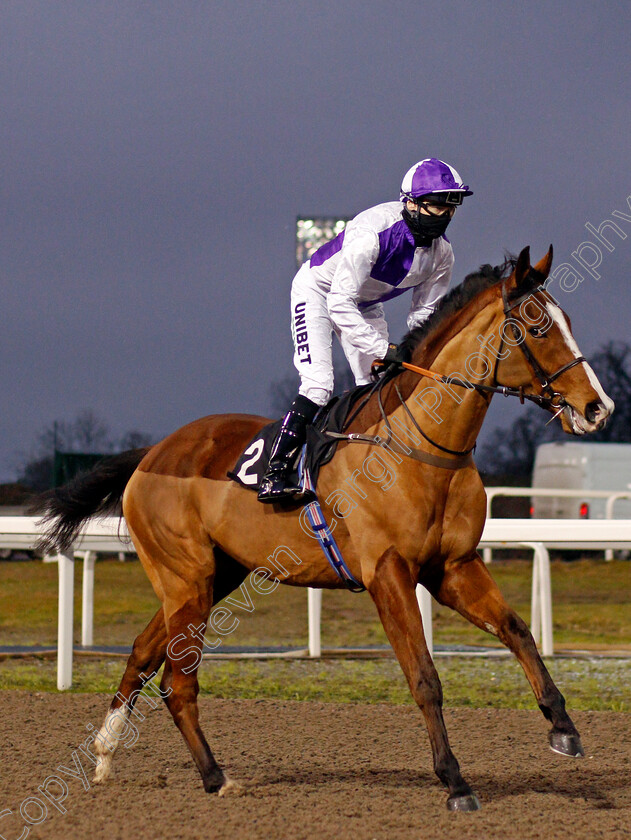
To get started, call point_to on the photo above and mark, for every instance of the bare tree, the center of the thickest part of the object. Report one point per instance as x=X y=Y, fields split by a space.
x=512 y=451
x=283 y=391
x=90 y=433
x=613 y=367
x=87 y=434
x=134 y=440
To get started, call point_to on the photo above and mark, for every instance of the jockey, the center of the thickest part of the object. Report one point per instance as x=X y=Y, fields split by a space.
x=380 y=254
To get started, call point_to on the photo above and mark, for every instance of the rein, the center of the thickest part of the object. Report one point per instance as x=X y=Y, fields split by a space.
x=548 y=398
x=553 y=400
x=505 y=390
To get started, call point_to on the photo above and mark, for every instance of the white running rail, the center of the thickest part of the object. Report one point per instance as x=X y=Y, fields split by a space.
x=110 y=535
x=612 y=497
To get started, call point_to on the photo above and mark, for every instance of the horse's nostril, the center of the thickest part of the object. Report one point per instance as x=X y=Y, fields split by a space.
x=592 y=410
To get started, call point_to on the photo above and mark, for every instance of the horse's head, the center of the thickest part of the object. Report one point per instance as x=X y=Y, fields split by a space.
x=544 y=357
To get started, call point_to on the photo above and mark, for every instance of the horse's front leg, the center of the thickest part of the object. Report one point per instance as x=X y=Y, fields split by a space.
x=467 y=587
x=392 y=588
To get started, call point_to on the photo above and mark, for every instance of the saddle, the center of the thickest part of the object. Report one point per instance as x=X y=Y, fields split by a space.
x=319 y=449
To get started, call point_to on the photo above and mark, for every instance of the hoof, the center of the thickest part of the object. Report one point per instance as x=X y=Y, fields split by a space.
x=468 y=802
x=566 y=744
x=215 y=783
x=103 y=772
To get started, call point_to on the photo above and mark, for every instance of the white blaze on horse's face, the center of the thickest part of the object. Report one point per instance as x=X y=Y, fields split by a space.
x=602 y=410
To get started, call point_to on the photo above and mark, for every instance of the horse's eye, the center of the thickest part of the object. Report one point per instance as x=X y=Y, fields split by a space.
x=535 y=332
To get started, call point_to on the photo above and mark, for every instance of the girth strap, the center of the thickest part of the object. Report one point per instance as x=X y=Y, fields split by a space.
x=417 y=454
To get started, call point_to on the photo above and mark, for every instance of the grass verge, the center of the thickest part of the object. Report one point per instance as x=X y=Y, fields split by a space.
x=591 y=606
x=588 y=684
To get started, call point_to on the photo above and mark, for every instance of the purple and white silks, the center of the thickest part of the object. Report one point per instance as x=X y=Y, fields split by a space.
x=341 y=289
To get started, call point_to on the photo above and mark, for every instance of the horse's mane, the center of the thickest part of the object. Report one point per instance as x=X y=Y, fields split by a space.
x=455 y=300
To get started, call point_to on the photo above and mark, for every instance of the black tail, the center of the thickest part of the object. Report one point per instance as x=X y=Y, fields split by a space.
x=99 y=491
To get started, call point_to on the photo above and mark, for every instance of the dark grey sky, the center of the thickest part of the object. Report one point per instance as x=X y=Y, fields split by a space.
x=155 y=156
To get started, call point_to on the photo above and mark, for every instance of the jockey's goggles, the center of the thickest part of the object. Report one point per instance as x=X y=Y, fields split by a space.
x=433 y=208
x=451 y=197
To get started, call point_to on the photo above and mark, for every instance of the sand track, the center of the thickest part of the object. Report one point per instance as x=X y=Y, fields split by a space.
x=316 y=770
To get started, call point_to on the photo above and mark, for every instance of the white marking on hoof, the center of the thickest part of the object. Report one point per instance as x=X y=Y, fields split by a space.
x=231 y=788
x=106 y=742
x=103 y=770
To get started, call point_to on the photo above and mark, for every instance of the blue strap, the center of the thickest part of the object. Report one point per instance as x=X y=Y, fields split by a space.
x=323 y=532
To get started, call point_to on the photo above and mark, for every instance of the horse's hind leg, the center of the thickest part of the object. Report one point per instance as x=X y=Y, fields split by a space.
x=467 y=587
x=146 y=658
x=180 y=686
x=144 y=662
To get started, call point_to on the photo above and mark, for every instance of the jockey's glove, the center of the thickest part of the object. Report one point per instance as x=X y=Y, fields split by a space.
x=393 y=356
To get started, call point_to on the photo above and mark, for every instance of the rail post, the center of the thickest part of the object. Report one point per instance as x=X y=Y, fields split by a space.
x=425 y=605
x=87 y=602
x=541 y=599
x=487 y=552
x=65 y=623
x=314 y=597
x=609 y=515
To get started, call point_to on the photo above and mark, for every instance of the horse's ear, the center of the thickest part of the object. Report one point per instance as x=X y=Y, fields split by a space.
x=545 y=264
x=522 y=266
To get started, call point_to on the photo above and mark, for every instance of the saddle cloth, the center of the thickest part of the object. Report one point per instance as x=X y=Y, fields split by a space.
x=252 y=463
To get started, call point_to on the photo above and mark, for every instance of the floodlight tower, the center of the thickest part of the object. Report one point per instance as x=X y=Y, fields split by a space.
x=313 y=231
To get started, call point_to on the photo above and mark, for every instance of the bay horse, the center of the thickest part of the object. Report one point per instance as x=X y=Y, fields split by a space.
x=198 y=534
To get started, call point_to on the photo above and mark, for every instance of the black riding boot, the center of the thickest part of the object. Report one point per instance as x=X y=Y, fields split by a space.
x=275 y=484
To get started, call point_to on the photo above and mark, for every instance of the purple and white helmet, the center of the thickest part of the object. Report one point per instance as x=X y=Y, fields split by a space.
x=436 y=178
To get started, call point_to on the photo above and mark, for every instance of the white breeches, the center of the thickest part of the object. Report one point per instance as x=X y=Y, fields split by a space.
x=312 y=332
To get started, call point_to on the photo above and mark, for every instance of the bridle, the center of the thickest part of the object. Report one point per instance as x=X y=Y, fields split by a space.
x=548 y=398
x=553 y=399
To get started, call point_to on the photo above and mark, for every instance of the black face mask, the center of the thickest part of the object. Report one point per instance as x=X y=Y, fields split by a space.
x=424 y=228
